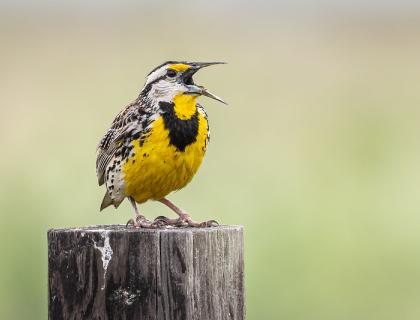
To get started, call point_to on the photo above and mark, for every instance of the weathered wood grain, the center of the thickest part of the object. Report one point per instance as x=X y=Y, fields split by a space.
x=111 y=272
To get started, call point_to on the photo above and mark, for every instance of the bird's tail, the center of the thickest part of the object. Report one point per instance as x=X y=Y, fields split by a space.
x=107 y=201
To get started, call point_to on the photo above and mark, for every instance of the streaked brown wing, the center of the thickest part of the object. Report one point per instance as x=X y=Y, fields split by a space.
x=126 y=123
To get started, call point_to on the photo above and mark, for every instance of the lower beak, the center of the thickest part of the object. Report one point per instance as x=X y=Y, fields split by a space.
x=199 y=90
x=213 y=96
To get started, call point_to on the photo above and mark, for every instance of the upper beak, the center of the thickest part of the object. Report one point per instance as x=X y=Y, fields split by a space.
x=206 y=64
x=199 y=90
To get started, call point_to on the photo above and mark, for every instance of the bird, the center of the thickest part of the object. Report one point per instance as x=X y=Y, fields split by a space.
x=156 y=144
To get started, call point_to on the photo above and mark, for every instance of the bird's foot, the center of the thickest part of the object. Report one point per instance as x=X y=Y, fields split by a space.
x=140 y=221
x=184 y=220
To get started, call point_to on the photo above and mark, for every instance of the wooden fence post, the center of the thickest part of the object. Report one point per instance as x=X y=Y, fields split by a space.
x=111 y=272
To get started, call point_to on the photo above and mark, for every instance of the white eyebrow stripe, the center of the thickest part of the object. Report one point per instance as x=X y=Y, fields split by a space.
x=156 y=75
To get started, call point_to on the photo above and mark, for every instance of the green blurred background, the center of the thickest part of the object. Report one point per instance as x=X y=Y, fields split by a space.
x=317 y=155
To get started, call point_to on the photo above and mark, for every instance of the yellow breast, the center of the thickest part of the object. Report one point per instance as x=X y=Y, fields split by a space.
x=158 y=167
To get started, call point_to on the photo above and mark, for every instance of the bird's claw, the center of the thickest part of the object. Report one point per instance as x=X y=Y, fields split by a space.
x=183 y=221
x=210 y=223
x=163 y=221
x=140 y=221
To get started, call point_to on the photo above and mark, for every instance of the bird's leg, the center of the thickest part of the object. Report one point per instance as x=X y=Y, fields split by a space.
x=139 y=221
x=184 y=218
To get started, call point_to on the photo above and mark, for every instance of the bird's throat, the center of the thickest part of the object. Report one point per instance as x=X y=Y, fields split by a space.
x=185 y=106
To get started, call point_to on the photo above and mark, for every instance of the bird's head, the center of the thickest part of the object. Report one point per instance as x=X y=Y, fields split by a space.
x=174 y=78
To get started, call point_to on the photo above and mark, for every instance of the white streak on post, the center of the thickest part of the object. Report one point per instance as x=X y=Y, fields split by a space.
x=106 y=253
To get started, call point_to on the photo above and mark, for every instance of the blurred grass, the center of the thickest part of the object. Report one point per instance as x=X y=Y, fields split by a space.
x=317 y=154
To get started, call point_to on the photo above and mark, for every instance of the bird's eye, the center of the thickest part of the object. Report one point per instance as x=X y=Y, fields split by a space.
x=171 y=73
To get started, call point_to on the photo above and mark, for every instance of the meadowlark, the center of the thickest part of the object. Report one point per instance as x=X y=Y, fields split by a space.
x=157 y=143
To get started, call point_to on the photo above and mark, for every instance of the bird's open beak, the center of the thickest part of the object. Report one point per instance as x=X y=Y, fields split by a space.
x=194 y=89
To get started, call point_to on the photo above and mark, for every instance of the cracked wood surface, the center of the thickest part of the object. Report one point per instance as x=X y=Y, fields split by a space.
x=110 y=272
